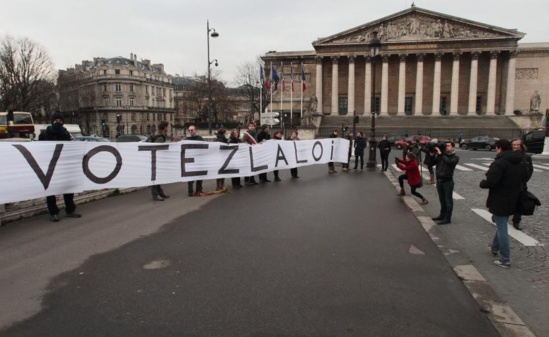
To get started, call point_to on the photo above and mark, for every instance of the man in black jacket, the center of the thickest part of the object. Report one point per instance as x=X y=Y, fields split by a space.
x=503 y=179
x=57 y=132
x=262 y=137
x=445 y=165
x=527 y=168
x=193 y=135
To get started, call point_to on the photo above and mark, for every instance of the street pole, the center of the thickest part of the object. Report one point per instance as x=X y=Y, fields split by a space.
x=214 y=34
x=375 y=44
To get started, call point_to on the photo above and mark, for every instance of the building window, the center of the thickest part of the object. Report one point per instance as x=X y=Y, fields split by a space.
x=131 y=72
x=118 y=87
x=376 y=105
x=105 y=101
x=118 y=101
x=343 y=105
x=131 y=87
x=117 y=71
x=443 y=105
x=104 y=87
x=479 y=105
x=408 y=104
x=104 y=72
x=133 y=117
x=146 y=89
x=131 y=101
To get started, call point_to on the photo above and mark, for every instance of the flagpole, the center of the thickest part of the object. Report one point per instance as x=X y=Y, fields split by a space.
x=301 y=114
x=291 y=94
x=282 y=90
x=271 y=105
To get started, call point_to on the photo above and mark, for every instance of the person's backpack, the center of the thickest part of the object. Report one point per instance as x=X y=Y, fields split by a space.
x=528 y=203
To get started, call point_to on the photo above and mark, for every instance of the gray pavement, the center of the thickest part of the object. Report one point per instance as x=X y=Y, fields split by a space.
x=324 y=255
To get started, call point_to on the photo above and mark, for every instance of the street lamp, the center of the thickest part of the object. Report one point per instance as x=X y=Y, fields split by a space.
x=375 y=45
x=213 y=34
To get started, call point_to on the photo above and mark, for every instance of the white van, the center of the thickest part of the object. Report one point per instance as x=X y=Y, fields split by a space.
x=73 y=129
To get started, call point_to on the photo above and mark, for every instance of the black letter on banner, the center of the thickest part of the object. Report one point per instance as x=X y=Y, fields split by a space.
x=45 y=179
x=332 y=151
x=255 y=169
x=231 y=155
x=153 y=150
x=297 y=160
x=280 y=156
x=93 y=152
x=321 y=151
x=184 y=160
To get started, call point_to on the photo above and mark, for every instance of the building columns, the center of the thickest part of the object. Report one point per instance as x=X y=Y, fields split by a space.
x=335 y=86
x=368 y=86
x=351 y=86
x=436 y=85
x=454 y=93
x=473 y=84
x=511 y=73
x=401 y=84
x=318 y=92
x=419 y=85
x=491 y=102
x=384 y=86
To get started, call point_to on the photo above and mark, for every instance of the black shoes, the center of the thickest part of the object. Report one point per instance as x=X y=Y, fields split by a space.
x=517 y=226
x=443 y=222
x=165 y=196
x=295 y=177
x=74 y=215
x=158 y=198
x=278 y=179
x=54 y=218
x=440 y=217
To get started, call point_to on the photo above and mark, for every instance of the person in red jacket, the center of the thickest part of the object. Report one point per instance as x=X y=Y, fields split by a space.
x=411 y=166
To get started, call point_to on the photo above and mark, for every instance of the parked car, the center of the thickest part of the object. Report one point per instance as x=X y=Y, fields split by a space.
x=422 y=140
x=534 y=141
x=93 y=138
x=480 y=142
x=131 y=138
x=393 y=139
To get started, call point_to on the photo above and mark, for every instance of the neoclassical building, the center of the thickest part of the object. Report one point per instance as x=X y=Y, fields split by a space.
x=429 y=64
x=117 y=95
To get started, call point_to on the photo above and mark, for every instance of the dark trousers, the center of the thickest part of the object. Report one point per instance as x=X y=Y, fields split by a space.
x=263 y=177
x=445 y=189
x=293 y=171
x=235 y=181
x=416 y=193
x=361 y=158
x=384 y=160
x=156 y=190
x=401 y=179
x=51 y=201
x=190 y=185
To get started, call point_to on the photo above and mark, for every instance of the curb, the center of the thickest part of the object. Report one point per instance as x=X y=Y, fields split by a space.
x=503 y=318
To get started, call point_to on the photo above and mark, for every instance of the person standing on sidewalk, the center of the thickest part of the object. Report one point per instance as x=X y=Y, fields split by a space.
x=250 y=138
x=263 y=136
x=351 y=138
x=293 y=171
x=159 y=137
x=193 y=135
x=220 y=182
x=360 y=145
x=57 y=132
x=234 y=138
x=504 y=181
x=384 y=150
x=331 y=168
x=446 y=163
x=527 y=169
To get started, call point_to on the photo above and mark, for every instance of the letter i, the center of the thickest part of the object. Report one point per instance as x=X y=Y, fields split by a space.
x=332 y=151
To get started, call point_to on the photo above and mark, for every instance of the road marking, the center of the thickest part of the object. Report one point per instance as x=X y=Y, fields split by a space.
x=484 y=168
x=526 y=240
x=540 y=167
x=463 y=168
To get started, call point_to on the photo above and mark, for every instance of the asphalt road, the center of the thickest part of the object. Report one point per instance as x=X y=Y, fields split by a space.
x=323 y=255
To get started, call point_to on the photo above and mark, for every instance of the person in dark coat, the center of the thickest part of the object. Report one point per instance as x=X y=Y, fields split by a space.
x=360 y=145
x=351 y=138
x=527 y=171
x=331 y=168
x=220 y=137
x=445 y=166
x=193 y=135
x=262 y=137
x=234 y=138
x=293 y=170
x=384 y=150
x=57 y=132
x=504 y=182
x=159 y=137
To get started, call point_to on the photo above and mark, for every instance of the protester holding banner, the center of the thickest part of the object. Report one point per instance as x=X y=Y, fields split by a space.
x=159 y=137
x=331 y=168
x=293 y=170
x=220 y=182
x=57 y=132
x=262 y=137
x=250 y=138
x=234 y=138
x=193 y=135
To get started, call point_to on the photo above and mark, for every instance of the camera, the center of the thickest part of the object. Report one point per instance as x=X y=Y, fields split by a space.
x=431 y=146
x=396 y=160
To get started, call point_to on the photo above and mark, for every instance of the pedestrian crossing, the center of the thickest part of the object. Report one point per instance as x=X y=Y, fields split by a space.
x=481 y=166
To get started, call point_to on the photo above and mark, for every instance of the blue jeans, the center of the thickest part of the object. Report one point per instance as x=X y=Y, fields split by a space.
x=501 y=239
x=445 y=189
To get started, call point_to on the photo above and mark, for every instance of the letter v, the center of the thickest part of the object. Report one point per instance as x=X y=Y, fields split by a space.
x=44 y=178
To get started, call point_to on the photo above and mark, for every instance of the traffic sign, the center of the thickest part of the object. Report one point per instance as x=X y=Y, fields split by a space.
x=270 y=121
x=270 y=114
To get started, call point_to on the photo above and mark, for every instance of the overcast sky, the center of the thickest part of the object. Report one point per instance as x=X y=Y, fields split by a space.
x=173 y=32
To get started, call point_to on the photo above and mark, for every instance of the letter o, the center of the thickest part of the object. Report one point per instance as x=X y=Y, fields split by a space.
x=93 y=152
x=317 y=143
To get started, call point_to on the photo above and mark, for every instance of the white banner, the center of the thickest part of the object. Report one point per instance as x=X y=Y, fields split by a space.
x=38 y=169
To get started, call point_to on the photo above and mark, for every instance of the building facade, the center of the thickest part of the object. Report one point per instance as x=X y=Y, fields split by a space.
x=114 y=96
x=428 y=64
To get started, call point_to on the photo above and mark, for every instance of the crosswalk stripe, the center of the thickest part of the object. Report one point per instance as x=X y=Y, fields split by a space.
x=540 y=167
x=484 y=168
x=463 y=168
x=520 y=236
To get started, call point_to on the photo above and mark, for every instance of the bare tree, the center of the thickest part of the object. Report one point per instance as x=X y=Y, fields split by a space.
x=27 y=76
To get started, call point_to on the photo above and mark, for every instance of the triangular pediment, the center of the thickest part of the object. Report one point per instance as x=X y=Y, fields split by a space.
x=416 y=24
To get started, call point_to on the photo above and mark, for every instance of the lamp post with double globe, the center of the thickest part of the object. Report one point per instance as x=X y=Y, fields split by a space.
x=213 y=34
x=375 y=45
